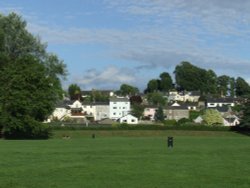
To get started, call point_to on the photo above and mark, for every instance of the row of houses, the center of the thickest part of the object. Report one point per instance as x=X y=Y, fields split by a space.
x=119 y=109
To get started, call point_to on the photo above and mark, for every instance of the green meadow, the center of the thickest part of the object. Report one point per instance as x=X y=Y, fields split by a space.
x=128 y=159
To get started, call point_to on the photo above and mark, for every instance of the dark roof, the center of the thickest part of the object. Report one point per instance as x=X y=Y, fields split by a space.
x=95 y=103
x=63 y=104
x=223 y=108
x=117 y=99
x=181 y=107
x=220 y=100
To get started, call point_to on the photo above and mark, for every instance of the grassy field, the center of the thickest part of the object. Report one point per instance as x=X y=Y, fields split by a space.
x=128 y=159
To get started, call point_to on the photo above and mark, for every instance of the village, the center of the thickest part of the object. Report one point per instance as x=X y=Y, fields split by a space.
x=178 y=107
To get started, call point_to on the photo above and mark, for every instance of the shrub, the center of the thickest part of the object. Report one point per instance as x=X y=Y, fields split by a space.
x=26 y=128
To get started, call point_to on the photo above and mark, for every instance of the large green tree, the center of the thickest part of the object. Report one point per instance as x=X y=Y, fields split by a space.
x=30 y=80
x=152 y=86
x=223 y=85
x=245 y=121
x=156 y=98
x=126 y=89
x=166 y=82
x=242 y=87
x=191 y=78
x=74 y=92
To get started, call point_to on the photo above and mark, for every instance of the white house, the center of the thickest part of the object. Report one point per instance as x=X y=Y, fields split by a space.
x=118 y=107
x=184 y=96
x=101 y=111
x=62 y=110
x=129 y=119
x=220 y=102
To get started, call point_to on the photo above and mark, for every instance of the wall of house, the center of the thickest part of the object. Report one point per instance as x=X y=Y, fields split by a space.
x=59 y=113
x=101 y=112
x=118 y=109
x=176 y=114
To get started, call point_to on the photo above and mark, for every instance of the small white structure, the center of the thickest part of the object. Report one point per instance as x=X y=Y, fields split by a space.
x=220 y=102
x=129 y=119
x=231 y=120
x=118 y=107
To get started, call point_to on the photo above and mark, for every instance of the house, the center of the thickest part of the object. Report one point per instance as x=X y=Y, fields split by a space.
x=129 y=119
x=101 y=110
x=232 y=120
x=118 y=107
x=176 y=112
x=212 y=102
x=191 y=96
x=227 y=121
x=149 y=112
x=61 y=111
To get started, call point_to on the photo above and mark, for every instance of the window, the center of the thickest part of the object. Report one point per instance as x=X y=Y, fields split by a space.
x=114 y=107
x=132 y=120
x=124 y=121
x=114 y=113
x=124 y=107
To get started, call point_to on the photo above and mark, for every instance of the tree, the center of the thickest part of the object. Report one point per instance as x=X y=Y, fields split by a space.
x=156 y=98
x=159 y=115
x=191 y=78
x=137 y=110
x=126 y=89
x=166 y=82
x=211 y=82
x=245 y=121
x=30 y=80
x=242 y=87
x=232 y=87
x=152 y=86
x=74 y=92
x=212 y=117
x=223 y=85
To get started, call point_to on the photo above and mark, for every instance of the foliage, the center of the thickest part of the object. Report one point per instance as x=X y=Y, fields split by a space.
x=166 y=82
x=245 y=121
x=97 y=96
x=137 y=110
x=30 y=80
x=156 y=98
x=194 y=114
x=152 y=86
x=242 y=87
x=171 y=122
x=159 y=115
x=183 y=121
x=223 y=82
x=74 y=92
x=212 y=117
x=135 y=99
x=189 y=77
x=129 y=90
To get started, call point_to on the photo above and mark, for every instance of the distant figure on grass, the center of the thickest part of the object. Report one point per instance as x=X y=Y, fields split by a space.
x=66 y=137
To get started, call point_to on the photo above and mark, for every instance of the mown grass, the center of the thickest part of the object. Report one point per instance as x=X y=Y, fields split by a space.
x=127 y=159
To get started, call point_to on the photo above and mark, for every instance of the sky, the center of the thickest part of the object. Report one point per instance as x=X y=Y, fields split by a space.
x=106 y=43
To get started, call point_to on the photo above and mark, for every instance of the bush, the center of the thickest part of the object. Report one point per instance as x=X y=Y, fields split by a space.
x=170 y=122
x=26 y=128
x=183 y=121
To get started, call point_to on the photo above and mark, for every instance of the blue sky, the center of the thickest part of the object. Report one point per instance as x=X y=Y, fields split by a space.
x=105 y=43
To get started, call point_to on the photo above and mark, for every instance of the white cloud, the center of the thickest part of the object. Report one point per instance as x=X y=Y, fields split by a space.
x=110 y=77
